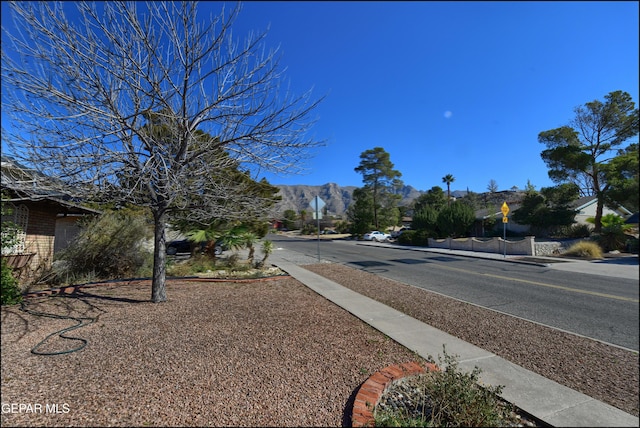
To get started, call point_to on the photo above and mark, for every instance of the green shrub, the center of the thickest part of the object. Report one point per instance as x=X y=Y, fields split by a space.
x=455 y=220
x=193 y=265
x=107 y=247
x=415 y=237
x=422 y=237
x=407 y=237
x=612 y=238
x=575 y=231
x=612 y=235
x=585 y=249
x=455 y=398
x=342 y=227
x=10 y=289
x=309 y=229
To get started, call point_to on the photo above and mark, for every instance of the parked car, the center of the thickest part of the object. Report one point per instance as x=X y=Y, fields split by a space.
x=399 y=232
x=184 y=246
x=328 y=232
x=376 y=236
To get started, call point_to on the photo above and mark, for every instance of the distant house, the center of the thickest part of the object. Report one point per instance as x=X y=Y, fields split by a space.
x=633 y=219
x=483 y=215
x=586 y=208
x=47 y=219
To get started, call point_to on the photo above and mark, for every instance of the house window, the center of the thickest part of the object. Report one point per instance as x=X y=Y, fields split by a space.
x=18 y=217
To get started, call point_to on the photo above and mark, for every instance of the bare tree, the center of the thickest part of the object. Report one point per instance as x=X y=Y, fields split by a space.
x=151 y=104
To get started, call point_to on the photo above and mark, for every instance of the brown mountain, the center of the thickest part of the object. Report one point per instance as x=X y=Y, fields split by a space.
x=337 y=198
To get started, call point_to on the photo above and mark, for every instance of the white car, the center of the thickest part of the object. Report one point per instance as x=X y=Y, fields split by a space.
x=376 y=236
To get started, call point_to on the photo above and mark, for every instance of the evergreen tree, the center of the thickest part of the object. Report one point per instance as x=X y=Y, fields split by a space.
x=360 y=212
x=579 y=153
x=381 y=181
x=455 y=219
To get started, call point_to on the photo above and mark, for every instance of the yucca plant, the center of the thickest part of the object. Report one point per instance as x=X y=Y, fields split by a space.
x=267 y=249
x=612 y=235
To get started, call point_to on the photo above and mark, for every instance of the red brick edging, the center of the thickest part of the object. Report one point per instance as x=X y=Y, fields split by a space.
x=372 y=389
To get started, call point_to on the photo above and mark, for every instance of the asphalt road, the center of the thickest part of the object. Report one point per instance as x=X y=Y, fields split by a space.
x=594 y=306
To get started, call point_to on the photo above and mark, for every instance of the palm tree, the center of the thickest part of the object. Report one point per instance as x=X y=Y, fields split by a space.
x=448 y=179
x=199 y=237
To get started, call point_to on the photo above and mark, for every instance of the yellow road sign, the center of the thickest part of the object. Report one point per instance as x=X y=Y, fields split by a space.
x=505 y=209
x=505 y=219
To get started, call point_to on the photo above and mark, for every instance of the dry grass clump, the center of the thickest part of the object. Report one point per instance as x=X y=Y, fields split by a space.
x=449 y=397
x=585 y=249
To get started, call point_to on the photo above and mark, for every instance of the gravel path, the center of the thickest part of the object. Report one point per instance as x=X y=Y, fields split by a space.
x=604 y=372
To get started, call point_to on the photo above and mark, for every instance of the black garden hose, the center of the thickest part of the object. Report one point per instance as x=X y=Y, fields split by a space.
x=61 y=333
x=81 y=320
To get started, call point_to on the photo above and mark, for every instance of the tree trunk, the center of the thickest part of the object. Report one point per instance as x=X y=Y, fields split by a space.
x=158 y=290
x=598 y=218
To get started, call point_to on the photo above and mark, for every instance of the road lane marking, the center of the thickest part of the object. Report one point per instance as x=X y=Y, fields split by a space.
x=544 y=284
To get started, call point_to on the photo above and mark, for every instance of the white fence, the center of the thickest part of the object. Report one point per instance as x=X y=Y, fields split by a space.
x=526 y=246
x=515 y=246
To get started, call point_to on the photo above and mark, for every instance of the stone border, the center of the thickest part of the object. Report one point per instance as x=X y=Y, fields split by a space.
x=372 y=389
x=71 y=289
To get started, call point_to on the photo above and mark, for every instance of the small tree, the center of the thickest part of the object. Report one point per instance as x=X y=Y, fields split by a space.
x=426 y=218
x=434 y=197
x=289 y=219
x=547 y=211
x=623 y=176
x=456 y=219
x=360 y=212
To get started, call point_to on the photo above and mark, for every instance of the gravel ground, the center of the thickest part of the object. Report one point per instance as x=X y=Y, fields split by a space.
x=604 y=372
x=261 y=353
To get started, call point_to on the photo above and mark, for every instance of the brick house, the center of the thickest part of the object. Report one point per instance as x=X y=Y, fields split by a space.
x=47 y=220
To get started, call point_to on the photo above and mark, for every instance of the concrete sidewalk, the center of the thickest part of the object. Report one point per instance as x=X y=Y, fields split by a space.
x=543 y=398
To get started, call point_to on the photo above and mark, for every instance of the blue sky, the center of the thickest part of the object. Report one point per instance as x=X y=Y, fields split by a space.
x=461 y=88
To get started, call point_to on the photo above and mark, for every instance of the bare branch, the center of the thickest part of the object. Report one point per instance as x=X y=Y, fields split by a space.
x=81 y=79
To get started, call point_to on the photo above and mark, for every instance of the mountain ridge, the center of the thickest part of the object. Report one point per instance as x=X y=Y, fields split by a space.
x=298 y=197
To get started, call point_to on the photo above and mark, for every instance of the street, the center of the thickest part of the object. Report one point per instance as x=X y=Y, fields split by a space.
x=594 y=306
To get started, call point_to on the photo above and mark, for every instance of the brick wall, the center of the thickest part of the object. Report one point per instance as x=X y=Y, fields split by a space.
x=40 y=237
